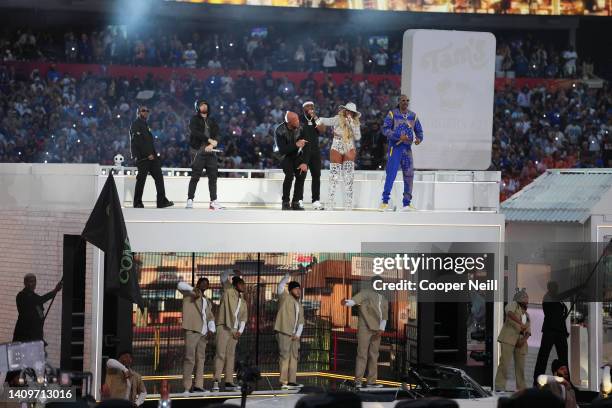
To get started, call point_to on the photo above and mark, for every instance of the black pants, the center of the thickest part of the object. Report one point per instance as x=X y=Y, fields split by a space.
x=152 y=167
x=200 y=162
x=550 y=339
x=291 y=171
x=314 y=164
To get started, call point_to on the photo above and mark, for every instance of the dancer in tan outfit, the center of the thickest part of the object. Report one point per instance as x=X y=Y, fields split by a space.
x=373 y=315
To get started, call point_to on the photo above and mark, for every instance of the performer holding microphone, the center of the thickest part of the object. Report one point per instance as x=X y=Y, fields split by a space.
x=402 y=128
x=204 y=133
x=346 y=128
x=290 y=143
x=311 y=131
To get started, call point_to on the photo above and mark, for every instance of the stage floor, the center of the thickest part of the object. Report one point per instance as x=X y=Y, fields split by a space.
x=268 y=386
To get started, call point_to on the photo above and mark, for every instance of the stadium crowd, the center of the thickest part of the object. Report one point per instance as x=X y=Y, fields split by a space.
x=58 y=118
x=272 y=48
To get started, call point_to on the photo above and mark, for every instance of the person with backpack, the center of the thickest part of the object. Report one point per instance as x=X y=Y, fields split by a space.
x=204 y=134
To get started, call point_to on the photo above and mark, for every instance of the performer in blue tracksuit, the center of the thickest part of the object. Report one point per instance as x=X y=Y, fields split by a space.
x=402 y=128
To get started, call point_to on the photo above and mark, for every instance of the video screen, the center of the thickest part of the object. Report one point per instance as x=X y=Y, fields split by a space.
x=514 y=7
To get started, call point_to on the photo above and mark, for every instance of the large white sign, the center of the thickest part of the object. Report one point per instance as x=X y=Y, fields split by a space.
x=449 y=77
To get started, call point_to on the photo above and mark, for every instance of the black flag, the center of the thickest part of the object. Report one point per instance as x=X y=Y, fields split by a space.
x=105 y=229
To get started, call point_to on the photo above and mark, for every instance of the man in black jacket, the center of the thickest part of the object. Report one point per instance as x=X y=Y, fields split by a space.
x=554 y=329
x=143 y=151
x=204 y=132
x=291 y=144
x=31 y=317
x=310 y=131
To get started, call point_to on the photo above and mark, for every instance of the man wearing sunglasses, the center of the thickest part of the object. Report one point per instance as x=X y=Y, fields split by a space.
x=289 y=142
x=401 y=128
x=147 y=160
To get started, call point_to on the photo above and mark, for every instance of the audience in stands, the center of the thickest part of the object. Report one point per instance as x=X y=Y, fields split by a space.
x=271 y=48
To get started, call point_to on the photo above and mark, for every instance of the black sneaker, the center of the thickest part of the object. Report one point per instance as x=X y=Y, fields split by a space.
x=231 y=387
x=138 y=205
x=196 y=389
x=296 y=206
x=286 y=205
x=295 y=385
x=165 y=204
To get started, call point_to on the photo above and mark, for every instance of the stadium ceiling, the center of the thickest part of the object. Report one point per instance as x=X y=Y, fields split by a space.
x=64 y=11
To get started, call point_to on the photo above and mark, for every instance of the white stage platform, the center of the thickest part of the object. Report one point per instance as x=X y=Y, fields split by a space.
x=199 y=230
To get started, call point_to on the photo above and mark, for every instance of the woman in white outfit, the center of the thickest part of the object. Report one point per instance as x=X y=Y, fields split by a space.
x=346 y=128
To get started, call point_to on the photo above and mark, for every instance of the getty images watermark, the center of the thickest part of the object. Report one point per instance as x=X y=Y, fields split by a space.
x=433 y=272
x=433 y=264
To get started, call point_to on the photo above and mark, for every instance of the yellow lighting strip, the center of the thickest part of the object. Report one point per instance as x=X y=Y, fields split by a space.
x=273 y=374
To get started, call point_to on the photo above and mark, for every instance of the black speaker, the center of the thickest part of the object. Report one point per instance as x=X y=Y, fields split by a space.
x=330 y=400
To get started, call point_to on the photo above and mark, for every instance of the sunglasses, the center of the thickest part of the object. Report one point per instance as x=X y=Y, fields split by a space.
x=144 y=110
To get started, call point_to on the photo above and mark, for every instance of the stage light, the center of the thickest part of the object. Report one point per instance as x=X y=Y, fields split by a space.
x=128 y=172
x=103 y=172
x=212 y=81
x=216 y=46
x=82 y=113
x=47 y=153
x=118 y=116
x=573 y=85
x=78 y=140
x=556 y=139
x=233 y=132
x=90 y=106
x=52 y=136
x=253 y=134
x=45 y=161
x=231 y=44
x=157 y=154
x=244 y=112
x=72 y=49
x=221 y=106
x=74 y=125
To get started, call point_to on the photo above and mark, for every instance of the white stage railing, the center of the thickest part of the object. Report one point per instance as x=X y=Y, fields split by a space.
x=432 y=190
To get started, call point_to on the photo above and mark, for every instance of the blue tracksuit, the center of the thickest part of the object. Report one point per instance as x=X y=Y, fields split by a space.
x=400 y=153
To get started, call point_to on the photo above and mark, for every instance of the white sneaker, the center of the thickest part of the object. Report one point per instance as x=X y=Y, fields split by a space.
x=214 y=205
x=408 y=208
x=189 y=203
x=374 y=385
x=317 y=206
x=215 y=387
x=301 y=204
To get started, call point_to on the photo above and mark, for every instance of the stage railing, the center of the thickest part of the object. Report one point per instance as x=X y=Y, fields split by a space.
x=432 y=190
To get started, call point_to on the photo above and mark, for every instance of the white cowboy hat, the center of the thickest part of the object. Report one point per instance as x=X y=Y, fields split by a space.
x=351 y=107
